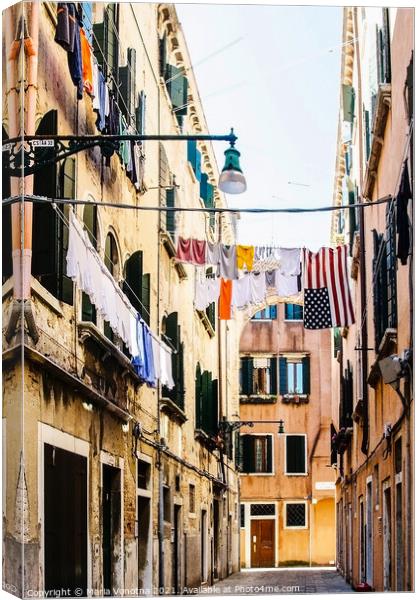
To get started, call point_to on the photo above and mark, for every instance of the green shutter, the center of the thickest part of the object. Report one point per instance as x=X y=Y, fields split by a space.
x=162 y=55
x=246 y=375
x=145 y=297
x=127 y=83
x=214 y=422
x=88 y=309
x=367 y=134
x=273 y=376
x=283 y=376
x=248 y=461
x=132 y=284
x=203 y=187
x=386 y=46
x=170 y=215
x=141 y=113
x=348 y=102
x=352 y=219
x=99 y=44
x=239 y=461
x=177 y=86
x=192 y=152
x=198 y=397
x=306 y=375
x=180 y=395
x=198 y=165
x=171 y=333
x=269 y=450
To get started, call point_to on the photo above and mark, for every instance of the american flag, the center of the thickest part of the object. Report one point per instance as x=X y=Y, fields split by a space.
x=327 y=298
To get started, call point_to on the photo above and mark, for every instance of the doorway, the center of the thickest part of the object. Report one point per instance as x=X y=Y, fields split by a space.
x=111 y=527
x=369 y=534
x=362 y=542
x=65 y=518
x=387 y=537
x=216 y=537
x=203 y=546
x=143 y=540
x=176 y=550
x=262 y=542
x=399 y=548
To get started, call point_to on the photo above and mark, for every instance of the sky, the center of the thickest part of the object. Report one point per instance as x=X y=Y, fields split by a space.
x=275 y=77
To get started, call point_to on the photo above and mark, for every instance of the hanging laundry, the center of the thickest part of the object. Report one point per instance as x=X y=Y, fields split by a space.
x=102 y=101
x=213 y=254
x=124 y=144
x=241 y=292
x=95 y=85
x=66 y=25
x=327 y=298
x=245 y=257
x=258 y=287
x=191 y=251
x=207 y=290
x=289 y=259
x=228 y=266
x=225 y=300
x=166 y=378
x=74 y=58
x=87 y=67
x=281 y=285
x=403 y=222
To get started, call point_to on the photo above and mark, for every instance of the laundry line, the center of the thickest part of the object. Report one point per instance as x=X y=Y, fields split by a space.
x=203 y=209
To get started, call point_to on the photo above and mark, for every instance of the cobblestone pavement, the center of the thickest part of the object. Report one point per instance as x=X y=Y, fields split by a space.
x=280 y=581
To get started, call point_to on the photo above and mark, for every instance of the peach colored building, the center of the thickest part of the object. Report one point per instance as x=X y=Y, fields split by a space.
x=373 y=419
x=287 y=482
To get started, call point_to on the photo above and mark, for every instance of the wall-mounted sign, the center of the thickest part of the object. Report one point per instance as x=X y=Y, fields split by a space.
x=324 y=485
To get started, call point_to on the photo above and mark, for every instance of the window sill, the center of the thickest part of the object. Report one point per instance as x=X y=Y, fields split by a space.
x=89 y=331
x=297 y=474
x=171 y=409
x=293 y=320
x=258 y=399
x=256 y=474
x=295 y=399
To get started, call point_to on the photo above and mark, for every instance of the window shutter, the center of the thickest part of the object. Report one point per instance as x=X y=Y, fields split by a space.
x=198 y=397
x=203 y=187
x=295 y=454
x=145 y=297
x=352 y=219
x=273 y=311
x=172 y=334
x=248 y=459
x=239 y=451
x=386 y=46
x=198 y=165
x=333 y=449
x=141 y=113
x=99 y=44
x=273 y=376
x=306 y=375
x=128 y=85
x=180 y=396
x=214 y=407
x=111 y=41
x=367 y=134
x=162 y=55
x=192 y=153
x=170 y=215
x=283 y=376
x=391 y=279
x=207 y=397
x=132 y=287
x=67 y=190
x=269 y=450
x=348 y=102
x=246 y=375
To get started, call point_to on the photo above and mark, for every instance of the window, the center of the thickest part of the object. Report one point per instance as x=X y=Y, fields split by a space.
x=143 y=474
x=50 y=230
x=136 y=285
x=194 y=158
x=295 y=515
x=258 y=376
x=162 y=55
x=127 y=81
x=256 y=453
x=177 y=86
x=90 y=223
x=170 y=215
x=167 y=513
x=295 y=454
x=242 y=515
x=105 y=44
x=383 y=49
x=269 y=313
x=211 y=309
x=348 y=96
x=191 y=497
x=263 y=510
x=295 y=376
x=293 y=312
x=346 y=400
x=398 y=456
x=172 y=334
x=384 y=280
x=206 y=402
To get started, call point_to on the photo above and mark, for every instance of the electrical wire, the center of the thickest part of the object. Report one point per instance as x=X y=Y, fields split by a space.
x=45 y=200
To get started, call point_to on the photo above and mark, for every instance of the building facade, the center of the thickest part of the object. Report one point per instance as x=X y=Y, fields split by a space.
x=112 y=486
x=287 y=481
x=373 y=425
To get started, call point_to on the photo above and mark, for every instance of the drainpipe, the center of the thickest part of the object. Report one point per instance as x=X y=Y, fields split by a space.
x=362 y=263
x=21 y=213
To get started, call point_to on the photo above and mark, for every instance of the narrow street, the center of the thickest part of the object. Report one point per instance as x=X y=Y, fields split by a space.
x=324 y=580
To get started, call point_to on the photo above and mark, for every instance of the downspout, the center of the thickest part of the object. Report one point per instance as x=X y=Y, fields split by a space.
x=362 y=263
x=21 y=213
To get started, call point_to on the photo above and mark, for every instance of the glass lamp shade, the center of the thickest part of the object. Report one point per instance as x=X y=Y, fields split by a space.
x=232 y=180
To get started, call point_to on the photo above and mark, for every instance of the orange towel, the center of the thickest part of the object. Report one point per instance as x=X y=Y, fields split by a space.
x=87 y=69
x=245 y=256
x=225 y=299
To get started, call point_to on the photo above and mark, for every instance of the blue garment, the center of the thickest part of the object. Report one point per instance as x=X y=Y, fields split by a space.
x=144 y=362
x=74 y=58
x=100 y=122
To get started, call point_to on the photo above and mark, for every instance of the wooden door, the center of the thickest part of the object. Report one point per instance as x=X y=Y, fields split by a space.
x=262 y=542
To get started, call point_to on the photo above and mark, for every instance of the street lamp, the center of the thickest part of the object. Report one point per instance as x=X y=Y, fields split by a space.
x=232 y=180
x=230 y=426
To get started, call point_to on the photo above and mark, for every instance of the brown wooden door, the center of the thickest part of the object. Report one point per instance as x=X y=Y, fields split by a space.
x=262 y=542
